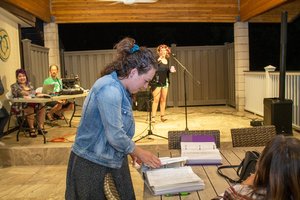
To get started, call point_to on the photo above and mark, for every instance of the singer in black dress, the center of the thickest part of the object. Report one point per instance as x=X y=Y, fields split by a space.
x=161 y=81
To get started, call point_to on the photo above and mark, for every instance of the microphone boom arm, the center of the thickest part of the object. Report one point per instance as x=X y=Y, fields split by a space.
x=184 y=82
x=186 y=70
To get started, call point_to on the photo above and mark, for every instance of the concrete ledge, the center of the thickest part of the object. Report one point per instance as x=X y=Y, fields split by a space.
x=24 y=156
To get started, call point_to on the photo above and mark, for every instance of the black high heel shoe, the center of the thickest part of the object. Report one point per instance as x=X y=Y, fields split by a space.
x=49 y=117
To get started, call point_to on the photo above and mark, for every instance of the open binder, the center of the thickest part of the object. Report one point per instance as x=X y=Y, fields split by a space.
x=173 y=177
x=200 y=149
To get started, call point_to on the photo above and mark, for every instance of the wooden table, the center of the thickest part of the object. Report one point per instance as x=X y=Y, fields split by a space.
x=214 y=184
x=46 y=100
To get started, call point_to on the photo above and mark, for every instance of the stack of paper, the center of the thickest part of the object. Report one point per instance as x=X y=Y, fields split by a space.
x=173 y=180
x=200 y=149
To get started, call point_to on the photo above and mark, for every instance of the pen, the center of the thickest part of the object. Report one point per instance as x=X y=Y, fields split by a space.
x=178 y=194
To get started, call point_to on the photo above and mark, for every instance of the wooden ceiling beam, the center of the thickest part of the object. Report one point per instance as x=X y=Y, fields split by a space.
x=93 y=11
x=19 y=13
x=38 y=8
x=252 y=8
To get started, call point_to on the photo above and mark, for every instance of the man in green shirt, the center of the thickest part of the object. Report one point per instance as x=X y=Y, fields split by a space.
x=58 y=107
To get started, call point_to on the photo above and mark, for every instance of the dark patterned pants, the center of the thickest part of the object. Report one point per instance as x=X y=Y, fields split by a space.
x=85 y=180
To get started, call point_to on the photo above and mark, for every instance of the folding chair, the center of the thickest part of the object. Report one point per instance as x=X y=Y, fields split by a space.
x=13 y=111
x=21 y=121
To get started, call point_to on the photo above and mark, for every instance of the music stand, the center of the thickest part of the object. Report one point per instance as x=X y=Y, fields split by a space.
x=150 y=132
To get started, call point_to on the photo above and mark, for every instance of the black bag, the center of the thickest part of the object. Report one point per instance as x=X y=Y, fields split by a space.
x=244 y=169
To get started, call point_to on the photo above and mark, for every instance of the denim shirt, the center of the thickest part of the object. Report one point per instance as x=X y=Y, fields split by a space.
x=107 y=125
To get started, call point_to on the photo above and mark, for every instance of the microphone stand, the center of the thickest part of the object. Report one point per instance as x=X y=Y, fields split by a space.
x=150 y=132
x=184 y=86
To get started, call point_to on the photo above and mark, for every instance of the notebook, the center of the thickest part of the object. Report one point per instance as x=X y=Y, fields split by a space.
x=48 y=89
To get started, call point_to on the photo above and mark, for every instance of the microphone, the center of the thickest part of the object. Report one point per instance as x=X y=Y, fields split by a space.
x=173 y=54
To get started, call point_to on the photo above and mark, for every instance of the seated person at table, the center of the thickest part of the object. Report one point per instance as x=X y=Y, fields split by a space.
x=23 y=89
x=58 y=107
x=277 y=175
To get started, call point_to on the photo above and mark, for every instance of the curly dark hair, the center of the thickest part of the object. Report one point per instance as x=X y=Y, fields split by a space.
x=130 y=56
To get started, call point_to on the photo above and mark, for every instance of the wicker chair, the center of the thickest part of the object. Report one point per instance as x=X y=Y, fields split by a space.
x=174 y=137
x=110 y=189
x=252 y=136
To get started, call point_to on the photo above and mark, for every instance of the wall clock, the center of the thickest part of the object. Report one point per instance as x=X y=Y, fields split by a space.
x=4 y=45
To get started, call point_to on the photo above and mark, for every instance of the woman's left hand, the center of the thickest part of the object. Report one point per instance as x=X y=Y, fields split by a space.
x=135 y=161
x=172 y=69
x=146 y=157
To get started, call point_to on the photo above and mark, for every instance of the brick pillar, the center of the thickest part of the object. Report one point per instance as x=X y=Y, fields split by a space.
x=241 y=54
x=52 y=42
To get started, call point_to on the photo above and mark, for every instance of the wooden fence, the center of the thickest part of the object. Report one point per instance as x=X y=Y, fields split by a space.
x=211 y=67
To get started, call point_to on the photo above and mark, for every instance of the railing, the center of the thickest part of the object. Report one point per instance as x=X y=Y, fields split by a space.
x=257 y=88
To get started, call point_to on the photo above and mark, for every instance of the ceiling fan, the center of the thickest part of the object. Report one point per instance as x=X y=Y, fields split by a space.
x=129 y=2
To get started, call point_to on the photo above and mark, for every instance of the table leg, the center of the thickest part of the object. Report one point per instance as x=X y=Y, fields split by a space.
x=73 y=113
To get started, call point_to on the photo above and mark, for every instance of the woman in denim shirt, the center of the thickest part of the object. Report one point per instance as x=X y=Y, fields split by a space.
x=104 y=135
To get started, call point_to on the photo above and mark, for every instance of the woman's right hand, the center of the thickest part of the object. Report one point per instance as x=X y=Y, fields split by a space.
x=146 y=157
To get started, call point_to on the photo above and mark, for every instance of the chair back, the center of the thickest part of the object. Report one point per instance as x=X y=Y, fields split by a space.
x=252 y=136
x=9 y=97
x=39 y=90
x=174 y=137
x=14 y=110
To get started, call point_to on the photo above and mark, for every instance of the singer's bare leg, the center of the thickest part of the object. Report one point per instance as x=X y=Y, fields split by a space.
x=163 y=100
x=156 y=96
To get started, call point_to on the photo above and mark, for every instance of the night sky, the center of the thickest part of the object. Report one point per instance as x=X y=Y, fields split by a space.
x=264 y=38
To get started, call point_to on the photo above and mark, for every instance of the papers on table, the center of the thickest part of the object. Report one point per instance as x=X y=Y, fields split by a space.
x=200 y=149
x=170 y=180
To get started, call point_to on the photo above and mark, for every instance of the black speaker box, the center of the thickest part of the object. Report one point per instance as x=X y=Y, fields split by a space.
x=279 y=113
x=142 y=101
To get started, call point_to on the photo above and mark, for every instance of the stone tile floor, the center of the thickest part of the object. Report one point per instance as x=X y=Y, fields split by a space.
x=40 y=182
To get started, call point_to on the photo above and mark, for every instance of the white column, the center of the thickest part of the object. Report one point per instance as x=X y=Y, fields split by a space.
x=241 y=54
x=51 y=39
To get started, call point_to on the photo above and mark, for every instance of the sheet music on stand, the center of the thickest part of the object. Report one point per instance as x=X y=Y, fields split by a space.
x=173 y=177
x=200 y=149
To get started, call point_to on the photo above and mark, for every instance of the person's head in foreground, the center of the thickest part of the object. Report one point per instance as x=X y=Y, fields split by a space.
x=135 y=66
x=278 y=169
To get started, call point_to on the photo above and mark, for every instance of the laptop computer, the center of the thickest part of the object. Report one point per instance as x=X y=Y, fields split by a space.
x=48 y=89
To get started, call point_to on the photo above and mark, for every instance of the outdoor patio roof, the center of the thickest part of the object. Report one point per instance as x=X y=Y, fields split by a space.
x=105 y=11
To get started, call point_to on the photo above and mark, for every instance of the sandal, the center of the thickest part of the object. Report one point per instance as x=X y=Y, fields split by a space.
x=32 y=133
x=49 y=117
x=58 y=116
x=162 y=118
x=153 y=119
